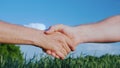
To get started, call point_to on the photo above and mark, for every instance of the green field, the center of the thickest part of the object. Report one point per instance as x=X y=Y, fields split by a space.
x=105 y=61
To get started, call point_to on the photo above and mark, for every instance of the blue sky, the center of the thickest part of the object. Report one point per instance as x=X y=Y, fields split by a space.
x=51 y=12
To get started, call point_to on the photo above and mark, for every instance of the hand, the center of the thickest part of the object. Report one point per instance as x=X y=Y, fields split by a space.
x=66 y=30
x=56 y=43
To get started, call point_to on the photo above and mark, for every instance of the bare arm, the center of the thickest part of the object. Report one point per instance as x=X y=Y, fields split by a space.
x=15 y=34
x=107 y=30
x=10 y=33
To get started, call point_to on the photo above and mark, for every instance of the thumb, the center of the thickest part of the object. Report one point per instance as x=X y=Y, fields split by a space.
x=49 y=30
x=71 y=45
x=53 y=29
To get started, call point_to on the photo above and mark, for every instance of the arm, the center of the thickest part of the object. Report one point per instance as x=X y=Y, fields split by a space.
x=15 y=34
x=107 y=30
x=10 y=33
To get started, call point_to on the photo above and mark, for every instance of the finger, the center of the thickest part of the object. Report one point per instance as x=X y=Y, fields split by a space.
x=66 y=47
x=61 y=55
x=71 y=45
x=57 y=56
x=53 y=54
x=61 y=52
x=48 y=52
x=65 y=43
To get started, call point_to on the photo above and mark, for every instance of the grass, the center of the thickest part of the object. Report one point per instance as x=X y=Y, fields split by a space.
x=105 y=61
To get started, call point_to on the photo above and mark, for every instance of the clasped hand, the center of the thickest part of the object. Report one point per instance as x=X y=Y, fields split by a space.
x=62 y=41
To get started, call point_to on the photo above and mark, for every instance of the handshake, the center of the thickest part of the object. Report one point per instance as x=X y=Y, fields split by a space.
x=60 y=40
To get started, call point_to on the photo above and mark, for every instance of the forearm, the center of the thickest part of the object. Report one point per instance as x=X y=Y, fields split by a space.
x=107 y=30
x=15 y=34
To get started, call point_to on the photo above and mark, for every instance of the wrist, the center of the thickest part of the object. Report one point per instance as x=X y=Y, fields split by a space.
x=37 y=38
x=77 y=36
x=90 y=33
x=83 y=34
